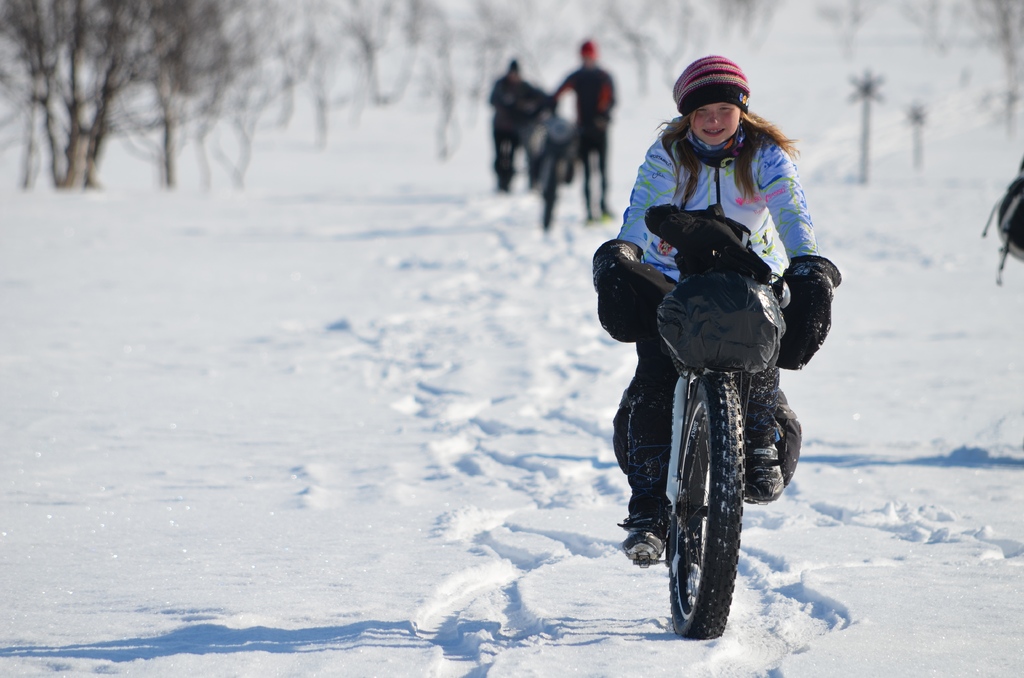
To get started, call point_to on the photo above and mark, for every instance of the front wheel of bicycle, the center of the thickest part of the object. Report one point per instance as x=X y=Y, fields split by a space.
x=704 y=533
x=548 y=188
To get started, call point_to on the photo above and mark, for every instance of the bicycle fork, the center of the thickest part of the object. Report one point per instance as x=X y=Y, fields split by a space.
x=685 y=386
x=680 y=399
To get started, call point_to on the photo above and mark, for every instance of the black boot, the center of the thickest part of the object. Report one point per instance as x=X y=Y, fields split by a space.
x=647 y=534
x=764 y=476
x=764 y=481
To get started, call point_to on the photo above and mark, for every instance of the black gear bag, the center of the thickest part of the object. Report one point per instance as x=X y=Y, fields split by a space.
x=722 y=315
x=722 y=320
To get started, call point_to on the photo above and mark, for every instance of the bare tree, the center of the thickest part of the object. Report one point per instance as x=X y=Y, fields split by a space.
x=443 y=81
x=81 y=56
x=326 y=43
x=115 y=52
x=661 y=32
x=20 y=91
x=370 y=26
x=190 y=62
x=847 y=17
x=292 y=45
x=413 y=18
x=495 y=33
x=1001 y=24
x=634 y=27
x=367 y=23
x=681 y=29
x=255 y=84
x=748 y=14
x=938 y=20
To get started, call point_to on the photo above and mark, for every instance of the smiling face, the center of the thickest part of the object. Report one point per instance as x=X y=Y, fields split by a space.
x=715 y=123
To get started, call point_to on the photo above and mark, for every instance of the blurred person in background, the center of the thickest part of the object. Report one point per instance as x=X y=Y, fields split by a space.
x=516 y=104
x=595 y=98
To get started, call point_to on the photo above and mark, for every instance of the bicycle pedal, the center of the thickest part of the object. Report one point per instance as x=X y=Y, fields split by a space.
x=643 y=547
x=644 y=558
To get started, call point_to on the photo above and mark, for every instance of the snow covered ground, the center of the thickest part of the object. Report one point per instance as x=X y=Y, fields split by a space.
x=356 y=420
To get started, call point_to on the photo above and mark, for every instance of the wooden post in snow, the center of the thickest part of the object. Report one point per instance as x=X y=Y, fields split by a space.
x=867 y=90
x=916 y=115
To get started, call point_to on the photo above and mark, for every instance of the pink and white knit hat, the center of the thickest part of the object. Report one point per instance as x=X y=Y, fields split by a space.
x=711 y=80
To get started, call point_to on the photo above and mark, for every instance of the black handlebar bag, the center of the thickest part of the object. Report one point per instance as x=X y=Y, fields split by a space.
x=722 y=320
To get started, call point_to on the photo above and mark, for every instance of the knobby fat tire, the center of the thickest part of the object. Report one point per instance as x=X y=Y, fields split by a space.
x=549 y=189
x=704 y=531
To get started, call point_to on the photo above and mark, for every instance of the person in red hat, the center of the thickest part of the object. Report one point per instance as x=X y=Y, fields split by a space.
x=716 y=155
x=595 y=98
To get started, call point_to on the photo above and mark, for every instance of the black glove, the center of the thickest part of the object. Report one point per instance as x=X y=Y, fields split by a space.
x=611 y=254
x=708 y=240
x=655 y=216
x=812 y=281
x=813 y=265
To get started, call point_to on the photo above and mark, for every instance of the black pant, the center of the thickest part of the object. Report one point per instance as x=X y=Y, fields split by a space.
x=594 y=142
x=505 y=144
x=628 y=294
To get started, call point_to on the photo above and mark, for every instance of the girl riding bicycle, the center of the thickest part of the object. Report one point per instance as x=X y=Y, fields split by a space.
x=716 y=152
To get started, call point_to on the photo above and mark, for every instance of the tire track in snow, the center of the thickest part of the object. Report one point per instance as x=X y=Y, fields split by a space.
x=503 y=430
x=479 y=612
x=927 y=524
x=776 y=612
x=511 y=407
x=434 y=617
x=476 y=357
x=781 y=607
x=786 y=592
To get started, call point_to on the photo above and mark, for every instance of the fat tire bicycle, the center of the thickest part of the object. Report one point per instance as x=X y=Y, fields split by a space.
x=724 y=329
x=722 y=324
x=557 y=163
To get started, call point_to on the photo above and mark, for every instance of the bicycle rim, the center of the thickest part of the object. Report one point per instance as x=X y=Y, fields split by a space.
x=704 y=534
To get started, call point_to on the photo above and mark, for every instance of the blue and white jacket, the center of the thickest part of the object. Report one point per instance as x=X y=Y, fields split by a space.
x=778 y=211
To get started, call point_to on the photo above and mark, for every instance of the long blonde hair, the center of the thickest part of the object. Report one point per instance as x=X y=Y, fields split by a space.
x=759 y=132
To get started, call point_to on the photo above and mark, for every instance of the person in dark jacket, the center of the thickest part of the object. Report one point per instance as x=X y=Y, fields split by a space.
x=516 y=105
x=595 y=97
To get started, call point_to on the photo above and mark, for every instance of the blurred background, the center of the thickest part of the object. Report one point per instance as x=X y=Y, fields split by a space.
x=169 y=93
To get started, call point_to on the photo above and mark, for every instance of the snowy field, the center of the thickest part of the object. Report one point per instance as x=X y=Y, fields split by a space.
x=356 y=420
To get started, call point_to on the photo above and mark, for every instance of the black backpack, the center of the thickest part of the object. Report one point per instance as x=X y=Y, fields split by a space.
x=1010 y=212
